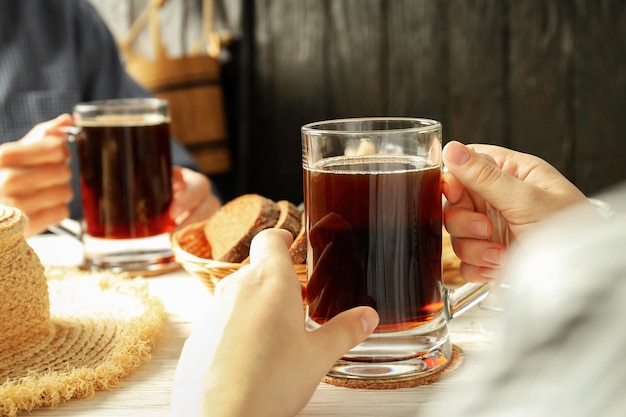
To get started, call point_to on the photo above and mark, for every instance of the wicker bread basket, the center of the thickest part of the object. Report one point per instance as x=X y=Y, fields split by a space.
x=193 y=252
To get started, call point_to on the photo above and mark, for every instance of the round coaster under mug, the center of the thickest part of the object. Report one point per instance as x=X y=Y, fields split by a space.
x=458 y=357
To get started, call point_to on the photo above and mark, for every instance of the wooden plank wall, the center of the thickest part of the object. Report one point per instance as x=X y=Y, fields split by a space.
x=546 y=77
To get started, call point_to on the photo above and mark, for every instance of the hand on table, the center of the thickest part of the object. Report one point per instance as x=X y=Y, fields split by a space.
x=35 y=175
x=251 y=354
x=193 y=199
x=525 y=189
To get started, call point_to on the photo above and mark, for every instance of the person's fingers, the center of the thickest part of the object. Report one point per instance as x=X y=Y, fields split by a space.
x=451 y=187
x=185 y=195
x=49 y=128
x=42 y=145
x=25 y=181
x=458 y=196
x=49 y=151
x=206 y=209
x=480 y=252
x=269 y=257
x=462 y=222
x=193 y=199
x=34 y=202
x=271 y=247
x=40 y=221
x=479 y=174
x=473 y=273
x=178 y=181
x=344 y=331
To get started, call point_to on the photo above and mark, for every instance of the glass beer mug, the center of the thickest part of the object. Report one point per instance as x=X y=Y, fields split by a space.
x=373 y=201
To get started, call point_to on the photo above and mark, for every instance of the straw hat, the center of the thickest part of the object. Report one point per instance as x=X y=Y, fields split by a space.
x=65 y=333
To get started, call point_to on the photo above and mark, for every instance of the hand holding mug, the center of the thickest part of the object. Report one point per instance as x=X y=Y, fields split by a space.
x=252 y=348
x=35 y=175
x=523 y=188
x=193 y=200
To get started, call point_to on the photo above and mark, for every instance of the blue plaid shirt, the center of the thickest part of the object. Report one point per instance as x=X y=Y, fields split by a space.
x=54 y=54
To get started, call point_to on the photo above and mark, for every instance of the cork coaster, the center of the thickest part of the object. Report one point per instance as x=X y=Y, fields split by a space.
x=458 y=357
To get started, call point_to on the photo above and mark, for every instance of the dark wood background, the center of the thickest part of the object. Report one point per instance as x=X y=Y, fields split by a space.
x=546 y=77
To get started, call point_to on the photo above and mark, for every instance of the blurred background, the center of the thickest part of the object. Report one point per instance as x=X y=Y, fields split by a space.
x=545 y=77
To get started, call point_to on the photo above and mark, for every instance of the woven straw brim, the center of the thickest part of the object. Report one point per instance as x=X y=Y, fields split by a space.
x=103 y=327
x=193 y=252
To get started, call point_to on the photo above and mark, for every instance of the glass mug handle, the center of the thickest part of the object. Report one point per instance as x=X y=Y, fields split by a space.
x=459 y=300
x=68 y=227
x=70 y=131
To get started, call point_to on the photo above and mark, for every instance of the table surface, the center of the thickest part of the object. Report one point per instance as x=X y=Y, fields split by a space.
x=146 y=392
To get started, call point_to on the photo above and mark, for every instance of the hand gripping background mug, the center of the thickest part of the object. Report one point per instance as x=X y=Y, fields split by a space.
x=372 y=194
x=125 y=163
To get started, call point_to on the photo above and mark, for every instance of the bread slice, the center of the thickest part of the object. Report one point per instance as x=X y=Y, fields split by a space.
x=298 y=247
x=290 y=217
x=231 y=229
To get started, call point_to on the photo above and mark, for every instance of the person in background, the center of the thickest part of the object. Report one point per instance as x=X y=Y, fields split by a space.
x=561 y=346
x=53 y=55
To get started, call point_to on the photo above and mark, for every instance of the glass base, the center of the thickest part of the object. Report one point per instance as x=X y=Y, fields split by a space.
x=421 y=365
x=151 y=254
x=396 y=355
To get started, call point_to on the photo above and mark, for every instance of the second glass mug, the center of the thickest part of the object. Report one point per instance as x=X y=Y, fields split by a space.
x=124 y=155
x=372 y=194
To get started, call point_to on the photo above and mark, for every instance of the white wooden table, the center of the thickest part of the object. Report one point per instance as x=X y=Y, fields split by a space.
x=146 y=392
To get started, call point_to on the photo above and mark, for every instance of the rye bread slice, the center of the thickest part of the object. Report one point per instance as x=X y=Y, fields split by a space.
x=290 y=217
x=231 y=229
x=298 y=247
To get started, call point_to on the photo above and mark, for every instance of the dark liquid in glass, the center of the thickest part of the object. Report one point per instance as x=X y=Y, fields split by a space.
x=125 y=178
x=375 y=235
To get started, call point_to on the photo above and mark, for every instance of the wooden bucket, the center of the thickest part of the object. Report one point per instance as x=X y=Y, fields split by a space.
x=191 y=84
